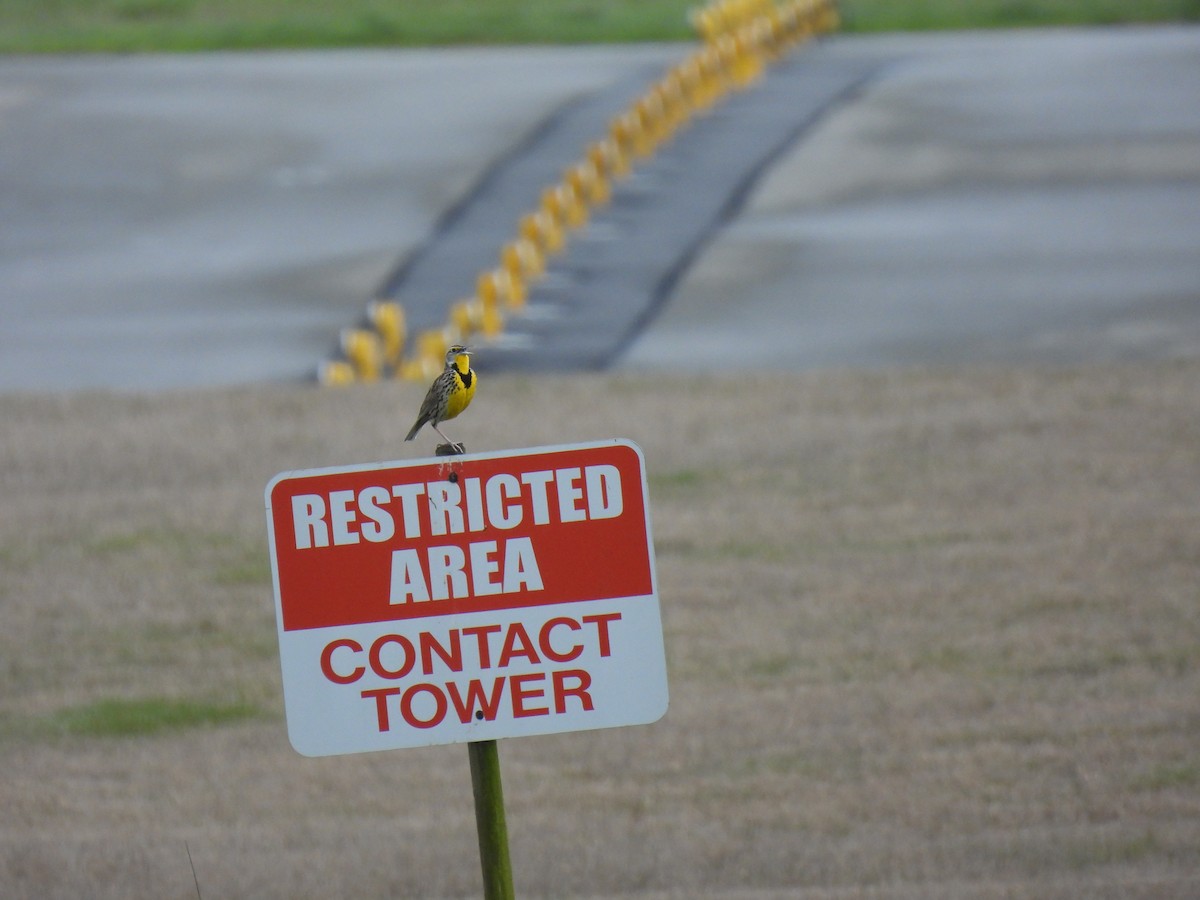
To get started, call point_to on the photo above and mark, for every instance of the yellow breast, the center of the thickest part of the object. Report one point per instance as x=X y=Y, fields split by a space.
x=464 y=387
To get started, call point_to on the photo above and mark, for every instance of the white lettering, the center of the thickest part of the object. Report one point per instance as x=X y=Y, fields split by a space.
x=342 y=517
x=380 y=525
x=408 y=581
x=308 y=520
x=483 y=567
x=474 y=505
x=445 y=512
x=500 y=488
x=537 y=482
x=471 y=505
x=446 y=576
x=481 y=570
x=604 y=498
x=569 y=495
x=520 y=566
x=410 y=511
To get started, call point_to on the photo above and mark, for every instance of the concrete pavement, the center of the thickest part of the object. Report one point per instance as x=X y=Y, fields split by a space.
x=199 y=220
x=217 y=219
x=998 y=197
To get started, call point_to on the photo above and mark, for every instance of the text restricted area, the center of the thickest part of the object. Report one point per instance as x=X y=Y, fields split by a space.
x=468 y=598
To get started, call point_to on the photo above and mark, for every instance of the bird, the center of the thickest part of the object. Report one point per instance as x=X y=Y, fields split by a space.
x=450 y=393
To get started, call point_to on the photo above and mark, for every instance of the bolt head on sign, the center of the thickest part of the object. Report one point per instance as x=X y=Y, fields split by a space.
x=470 y=598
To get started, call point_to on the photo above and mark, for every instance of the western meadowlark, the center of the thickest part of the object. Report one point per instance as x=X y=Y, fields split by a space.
x=450 y=393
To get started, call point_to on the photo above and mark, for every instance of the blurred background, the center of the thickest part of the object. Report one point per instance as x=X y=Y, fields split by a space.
x=183 y=218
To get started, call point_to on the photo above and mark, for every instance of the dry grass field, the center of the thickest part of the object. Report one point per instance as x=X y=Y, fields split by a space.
x=930 y=634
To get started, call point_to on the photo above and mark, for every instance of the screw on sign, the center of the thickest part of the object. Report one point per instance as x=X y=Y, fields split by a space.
x=473 y=598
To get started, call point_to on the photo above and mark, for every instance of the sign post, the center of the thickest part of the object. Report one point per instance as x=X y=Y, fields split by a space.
x=489 y=820
x=467 y=599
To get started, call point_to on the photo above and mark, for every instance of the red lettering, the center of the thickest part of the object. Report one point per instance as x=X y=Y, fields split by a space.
x=480 y=633
x=517 y=635
x=520 y=694
x=465 y=707
x=375 y=656
x=381 y=710
x=583 y=681
x=452 y=657
x=548 y=649
x=439 y=702
x=327 y=661
x=476 y=702
x=601 y=622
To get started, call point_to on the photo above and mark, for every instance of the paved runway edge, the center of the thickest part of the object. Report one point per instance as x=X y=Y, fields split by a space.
x=1010 y=197
x=617 y=272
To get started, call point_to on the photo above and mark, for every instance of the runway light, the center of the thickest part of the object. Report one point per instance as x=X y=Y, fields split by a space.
x=675 y=103
x=712 y=72
x=387 y=317
x=510 y=287
x=515 y=271
x=462 y=319
x=419 y=370
x=690 y=84
x=432 y=344
x=591 y=183
x=574 y=203
x=746 y=64
x=704 y=22
x=625 y=132
x=364 y=349
x=541 y=228
x=493 y=321
x=523 y=259
x=609 y=159
x=653 y=114
x=486 y=288
x=563 y=207
x=335 y=373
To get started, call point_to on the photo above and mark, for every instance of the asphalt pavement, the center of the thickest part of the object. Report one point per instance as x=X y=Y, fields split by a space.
x=217 y=219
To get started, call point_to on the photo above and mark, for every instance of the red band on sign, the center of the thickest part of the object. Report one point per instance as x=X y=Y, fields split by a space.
x=467 y=535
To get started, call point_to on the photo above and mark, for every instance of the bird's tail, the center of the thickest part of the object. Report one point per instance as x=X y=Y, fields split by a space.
x=413 y=431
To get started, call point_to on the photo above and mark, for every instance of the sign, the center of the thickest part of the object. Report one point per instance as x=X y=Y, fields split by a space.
x=469 y=598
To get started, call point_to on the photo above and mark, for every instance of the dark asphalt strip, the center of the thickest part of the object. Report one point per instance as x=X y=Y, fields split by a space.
x=617 y=271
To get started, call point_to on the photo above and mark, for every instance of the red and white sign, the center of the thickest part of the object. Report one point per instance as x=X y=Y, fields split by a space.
x=470 y=598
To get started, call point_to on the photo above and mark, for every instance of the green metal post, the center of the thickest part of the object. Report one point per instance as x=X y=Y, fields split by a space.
x=489 y=820
x=489 y=795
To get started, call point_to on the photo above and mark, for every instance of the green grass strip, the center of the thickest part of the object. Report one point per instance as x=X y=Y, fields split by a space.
x=150 y=715
x=187 y=25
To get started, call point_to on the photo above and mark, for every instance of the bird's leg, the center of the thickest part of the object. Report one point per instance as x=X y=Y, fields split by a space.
x=455 y=444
